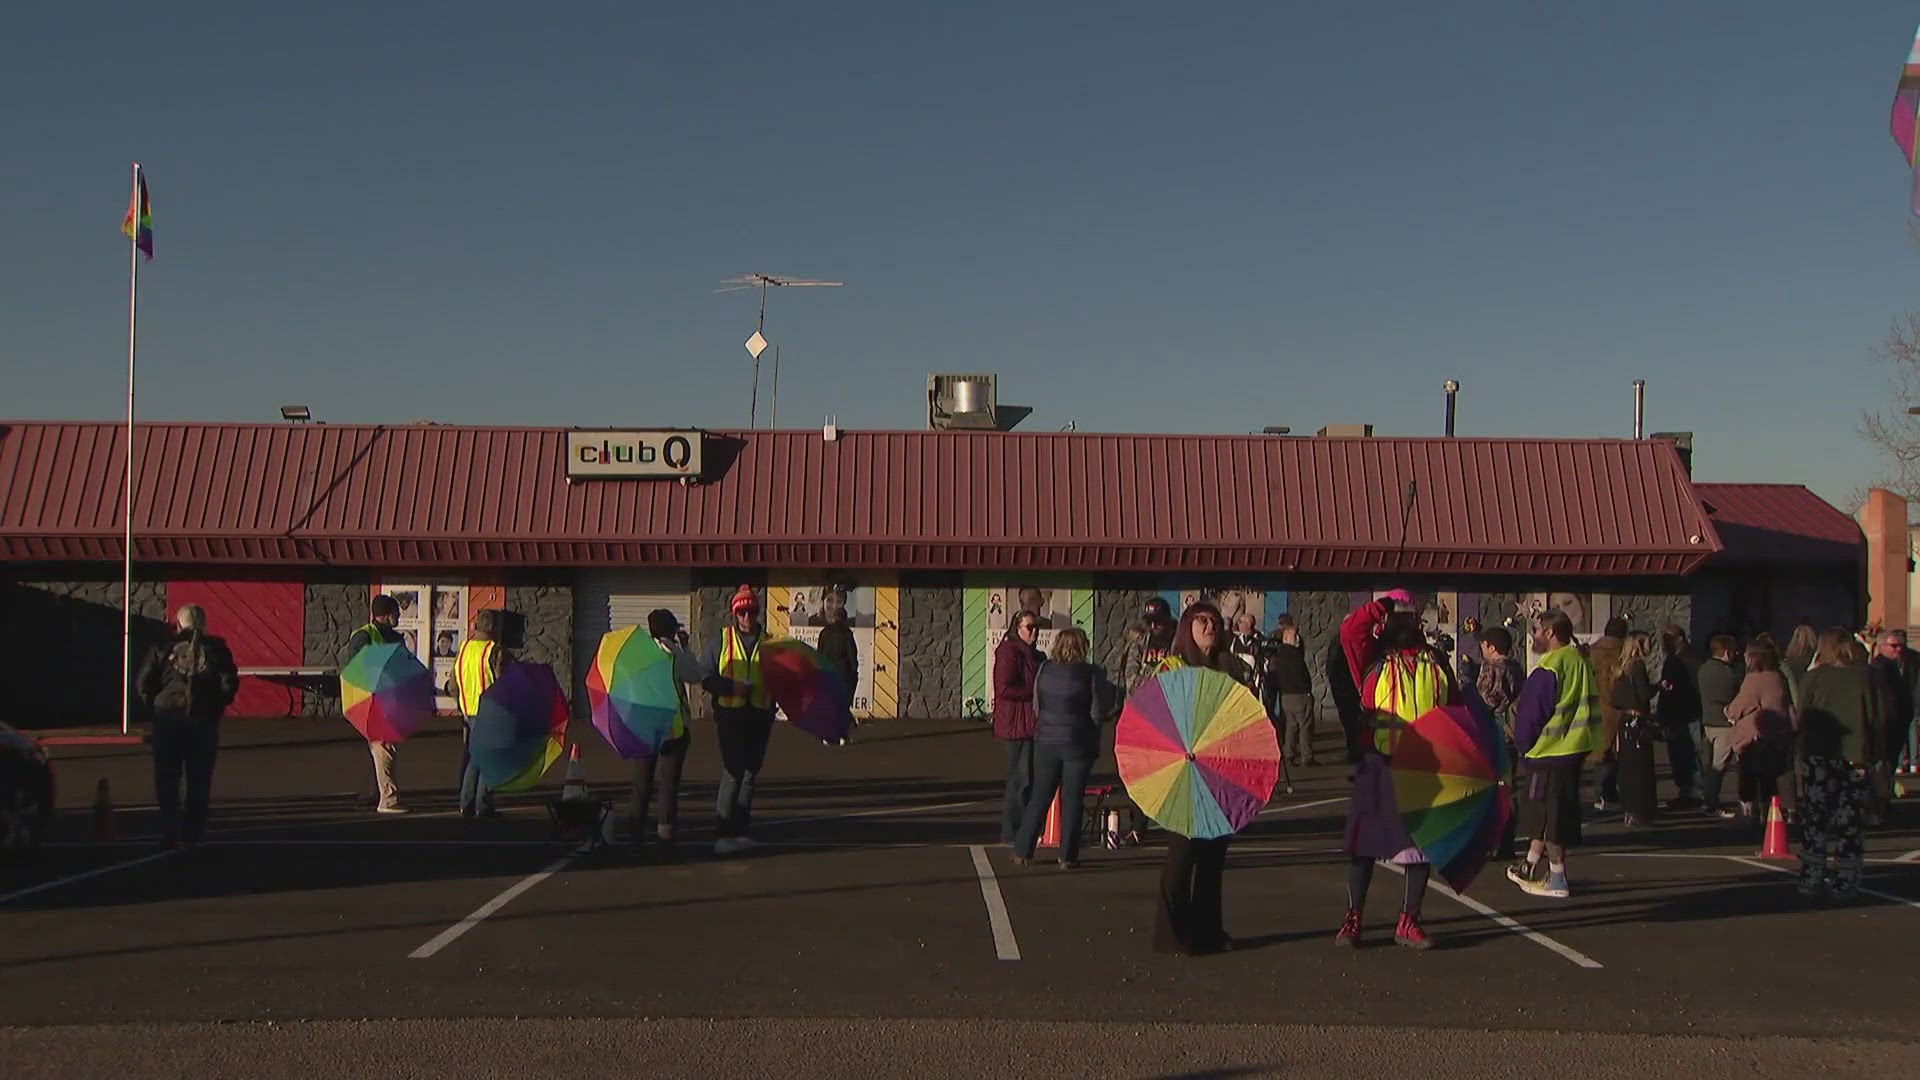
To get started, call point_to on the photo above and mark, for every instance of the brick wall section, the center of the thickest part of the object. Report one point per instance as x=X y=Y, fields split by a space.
x=66 y=637
x=932 y=618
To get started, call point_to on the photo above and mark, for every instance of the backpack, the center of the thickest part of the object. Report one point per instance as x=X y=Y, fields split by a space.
x=188 y=659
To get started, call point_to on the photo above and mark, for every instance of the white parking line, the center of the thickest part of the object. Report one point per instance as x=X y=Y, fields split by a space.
x=452 y=933
x=84 y=875
x=1004 y=945
x=1535 y=936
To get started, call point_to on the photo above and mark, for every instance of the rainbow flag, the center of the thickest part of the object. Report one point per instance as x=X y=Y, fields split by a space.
x=138 y=225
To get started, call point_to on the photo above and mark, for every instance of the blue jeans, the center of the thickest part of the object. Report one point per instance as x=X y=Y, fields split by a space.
x=474 y=796
x=1013 y=811
x=1056 y=768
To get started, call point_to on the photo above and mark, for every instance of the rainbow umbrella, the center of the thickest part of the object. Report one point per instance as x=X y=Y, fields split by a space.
x=520 y=728
x=387 y=692
x=636 y=703
x=1906 y=116
x=813 y=696
x=1197 y=752
x=1446 y=781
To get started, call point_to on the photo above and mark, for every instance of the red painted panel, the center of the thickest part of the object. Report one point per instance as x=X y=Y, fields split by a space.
x=263 y=622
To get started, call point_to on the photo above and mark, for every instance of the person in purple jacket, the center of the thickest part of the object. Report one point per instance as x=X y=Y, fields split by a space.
x=1556 y=725
x=1015 y=663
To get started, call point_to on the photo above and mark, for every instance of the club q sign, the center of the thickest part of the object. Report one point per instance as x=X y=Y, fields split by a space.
x=650 y=455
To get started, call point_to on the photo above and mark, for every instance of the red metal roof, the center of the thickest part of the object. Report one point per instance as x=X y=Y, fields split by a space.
x=1779 y=523
x=287 y=493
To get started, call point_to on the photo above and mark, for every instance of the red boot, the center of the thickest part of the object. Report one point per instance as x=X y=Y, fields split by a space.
x=1349 y=935
x=1410 y=934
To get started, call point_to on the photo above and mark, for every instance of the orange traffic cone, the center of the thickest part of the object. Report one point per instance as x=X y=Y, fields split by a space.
x=103 y=812
x=1776 y=846
x=1050 y=836
x=575 y=787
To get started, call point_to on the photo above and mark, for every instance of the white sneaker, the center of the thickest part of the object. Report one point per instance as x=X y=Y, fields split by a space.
x=726 y=845
x=745 y=843
x=390 y=809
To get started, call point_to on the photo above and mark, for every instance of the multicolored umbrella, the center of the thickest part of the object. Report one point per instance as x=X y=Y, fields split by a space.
x=1197 y=752
x=520 y=729
x=1446 y=771
x=1906 y=116
x=387 y=692
x=636 y=703
x=813 y=696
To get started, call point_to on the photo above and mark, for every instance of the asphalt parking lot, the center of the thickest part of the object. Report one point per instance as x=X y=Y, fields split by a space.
x=880 y=897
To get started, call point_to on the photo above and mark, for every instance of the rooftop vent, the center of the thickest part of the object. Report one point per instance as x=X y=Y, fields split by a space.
x=1346 y=431
x=962 y=401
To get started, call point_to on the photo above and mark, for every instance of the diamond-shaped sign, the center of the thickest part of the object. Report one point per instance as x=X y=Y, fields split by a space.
x=756 y=345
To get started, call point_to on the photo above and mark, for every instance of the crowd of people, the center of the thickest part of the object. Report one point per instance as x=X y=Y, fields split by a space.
x=1820 y=726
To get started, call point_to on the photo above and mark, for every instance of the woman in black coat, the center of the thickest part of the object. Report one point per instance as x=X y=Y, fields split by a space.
x=1633 y=750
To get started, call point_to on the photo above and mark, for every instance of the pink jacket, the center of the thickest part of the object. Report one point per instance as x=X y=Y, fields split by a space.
x=1763 y=709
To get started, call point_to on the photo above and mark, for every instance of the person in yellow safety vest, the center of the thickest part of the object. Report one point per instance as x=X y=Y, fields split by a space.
x=383 y=614
x=479 y=663
x=1407 y=679
x=1556 y=724
x=742 y=716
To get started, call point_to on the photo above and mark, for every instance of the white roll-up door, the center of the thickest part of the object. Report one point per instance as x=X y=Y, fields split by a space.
x=605 y=600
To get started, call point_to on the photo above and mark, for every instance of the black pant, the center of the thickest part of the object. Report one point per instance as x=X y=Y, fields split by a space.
x=1056 y=768
x=1360 y=879
x=662 y=771
x=743 y=735
x=1683 y=759
x=1636 y=780
x=1189 y=919
x=188 y=746
x=1013 y=809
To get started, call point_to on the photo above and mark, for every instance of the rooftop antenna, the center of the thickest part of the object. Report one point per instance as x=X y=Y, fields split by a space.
x=757 y=344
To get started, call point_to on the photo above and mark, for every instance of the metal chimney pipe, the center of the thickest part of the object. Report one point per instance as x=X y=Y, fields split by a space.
x=1453 y=391
x=1639 y=408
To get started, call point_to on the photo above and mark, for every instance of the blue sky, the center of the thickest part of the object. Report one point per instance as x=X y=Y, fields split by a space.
x=1144 y=217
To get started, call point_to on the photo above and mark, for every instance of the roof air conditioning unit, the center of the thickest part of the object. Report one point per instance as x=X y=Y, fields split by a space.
x=962 y=401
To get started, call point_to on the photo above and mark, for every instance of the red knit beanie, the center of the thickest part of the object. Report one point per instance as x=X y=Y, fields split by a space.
x=744 y=600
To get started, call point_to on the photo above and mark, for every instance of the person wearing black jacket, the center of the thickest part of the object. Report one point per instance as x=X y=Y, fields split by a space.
x=1633 y=745
x=186 y=683
x=1678 y=714
x=1288 y=688
x=837 y=647
x=1346 y=697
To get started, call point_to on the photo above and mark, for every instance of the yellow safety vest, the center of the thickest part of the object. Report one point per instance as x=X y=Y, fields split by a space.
x=1403 y=690
x=1576 y=726
x=742 y=665
x=473 y=673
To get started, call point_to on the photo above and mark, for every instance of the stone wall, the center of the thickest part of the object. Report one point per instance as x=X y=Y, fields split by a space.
x=546 y=604
x=334 y=610
x=1651 y=611
x=1114 y=609
x=1318 y=615
x=62 y=640
x=932 y=632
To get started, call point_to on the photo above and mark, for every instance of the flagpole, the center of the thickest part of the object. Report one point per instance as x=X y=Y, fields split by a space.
x=126 y=580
